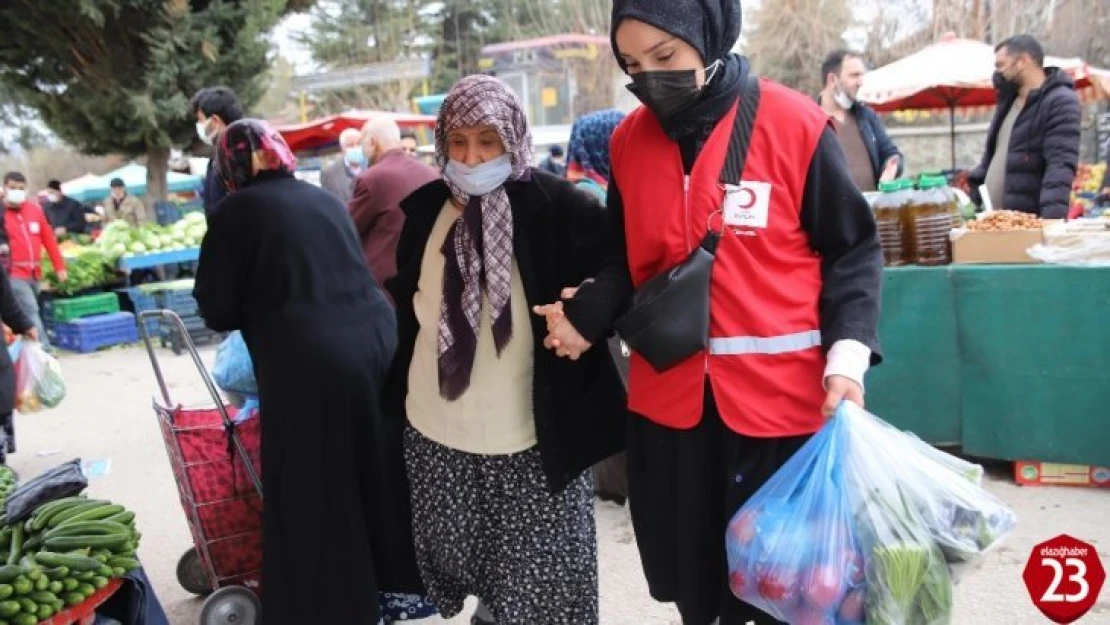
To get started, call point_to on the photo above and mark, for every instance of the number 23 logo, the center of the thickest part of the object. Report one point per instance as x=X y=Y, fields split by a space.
x=1052 y=595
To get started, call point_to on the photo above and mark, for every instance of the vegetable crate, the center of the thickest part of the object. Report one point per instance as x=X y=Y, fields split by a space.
x=89 y=334
x=180 y=301
x=85 y=613
x=141 y=301
x=197 y=333
x=78 y=307
x=216 y=463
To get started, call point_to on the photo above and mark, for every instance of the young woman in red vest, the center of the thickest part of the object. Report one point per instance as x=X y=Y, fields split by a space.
x=794 y=297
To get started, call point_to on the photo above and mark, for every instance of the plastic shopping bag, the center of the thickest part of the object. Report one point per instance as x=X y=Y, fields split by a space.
x=233 y=370
x=38 y=378
x=859 y=526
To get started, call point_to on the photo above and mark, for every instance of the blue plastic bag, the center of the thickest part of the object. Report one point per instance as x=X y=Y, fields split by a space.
x=233 y=370
x=792 y=548
x=860 y=526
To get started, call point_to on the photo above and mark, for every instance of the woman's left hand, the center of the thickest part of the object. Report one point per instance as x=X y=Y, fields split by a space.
x=840 y=388
x=562 y=337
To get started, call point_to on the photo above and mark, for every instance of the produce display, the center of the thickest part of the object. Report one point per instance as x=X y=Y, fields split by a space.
x=1088 y=178
x=62 y=555
x=119 y=239
x=860 y=526
x=7 y=484
x=87 y=268
x=1005 y=221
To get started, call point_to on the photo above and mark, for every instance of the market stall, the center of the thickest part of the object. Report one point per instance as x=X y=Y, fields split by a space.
x=321 y=136
x=92 y=188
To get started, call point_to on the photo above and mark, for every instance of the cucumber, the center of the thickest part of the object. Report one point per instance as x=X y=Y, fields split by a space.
x=22 y=586
x=59 y=517
x=65 y=543
x=17 y=544
x=26 y=618
x=44 y=597
x=59 y=605
x=93 y=514
x=104 y=571
x=100 y=582
x=28 y=605
x=43 y=582
x=44 y=514
x=33 y=543
x=102 y=558
x=74 y=562
x=45 y=611
x=6 y=591
x=73 y=598
x=101 y=552
x=124 y=562
x=6 y=536
x=118 y=571
x=9 y=608
x=126 y=517
x=56 y=587
x=57 y=573
x=85 y=576
x=87 y=528
x=87 y=589
x=9 y=572
x=32 y=570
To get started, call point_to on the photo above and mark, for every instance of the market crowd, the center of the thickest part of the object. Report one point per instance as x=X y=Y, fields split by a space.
x=460 y=395
x=444 y=391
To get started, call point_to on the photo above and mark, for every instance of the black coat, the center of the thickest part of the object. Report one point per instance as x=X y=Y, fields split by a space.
x=67 y=213
x=1043 y=151
x=558 y=241
x=282 y=262
x=13 y=316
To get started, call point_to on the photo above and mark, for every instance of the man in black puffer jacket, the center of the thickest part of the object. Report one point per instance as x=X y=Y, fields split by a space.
x=1037 y=124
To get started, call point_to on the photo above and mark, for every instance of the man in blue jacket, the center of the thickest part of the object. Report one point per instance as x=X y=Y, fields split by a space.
x=872 y=156
x=215 y=108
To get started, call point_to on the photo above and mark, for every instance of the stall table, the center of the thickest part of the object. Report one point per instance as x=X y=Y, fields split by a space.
x=127 y=264
x=1008 y=361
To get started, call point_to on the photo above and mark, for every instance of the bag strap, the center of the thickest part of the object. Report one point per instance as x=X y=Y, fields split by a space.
x=741 y=137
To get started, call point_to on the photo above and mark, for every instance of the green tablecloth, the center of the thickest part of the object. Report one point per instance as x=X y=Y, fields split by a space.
x=1011 y=362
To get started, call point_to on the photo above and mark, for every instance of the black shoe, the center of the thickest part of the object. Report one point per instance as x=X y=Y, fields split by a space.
x=611 y=498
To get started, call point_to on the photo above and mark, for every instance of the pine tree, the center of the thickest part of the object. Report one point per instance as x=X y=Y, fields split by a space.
x=115 y=76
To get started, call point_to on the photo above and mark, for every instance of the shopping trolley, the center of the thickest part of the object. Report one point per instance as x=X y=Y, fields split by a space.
x=215 y=463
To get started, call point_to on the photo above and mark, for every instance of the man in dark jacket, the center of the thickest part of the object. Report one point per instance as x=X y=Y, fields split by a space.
x=215 y=109
x=1036 y=126
x=872 y=156
x=66 y=214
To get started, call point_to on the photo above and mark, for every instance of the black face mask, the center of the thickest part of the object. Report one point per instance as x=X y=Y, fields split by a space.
x=1001 y=82
x=666 y=93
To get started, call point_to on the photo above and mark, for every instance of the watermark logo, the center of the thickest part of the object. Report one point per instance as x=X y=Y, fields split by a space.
x=1064 y=577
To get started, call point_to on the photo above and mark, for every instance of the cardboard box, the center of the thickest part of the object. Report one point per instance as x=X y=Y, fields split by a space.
x=1029 y=473
x=971 y=247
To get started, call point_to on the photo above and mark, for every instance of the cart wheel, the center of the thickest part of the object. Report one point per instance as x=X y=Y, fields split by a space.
x=191 y=575
x=233 y=605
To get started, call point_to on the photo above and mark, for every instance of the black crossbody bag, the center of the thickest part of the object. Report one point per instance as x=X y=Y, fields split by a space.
x=669 y=318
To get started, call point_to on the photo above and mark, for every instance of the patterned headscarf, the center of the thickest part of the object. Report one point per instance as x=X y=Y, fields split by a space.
x=589 y=145
x=479 y=247
x=247 y=149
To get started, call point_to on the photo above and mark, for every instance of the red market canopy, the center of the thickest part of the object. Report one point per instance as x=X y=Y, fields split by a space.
x=950 y=73
x=322 y=135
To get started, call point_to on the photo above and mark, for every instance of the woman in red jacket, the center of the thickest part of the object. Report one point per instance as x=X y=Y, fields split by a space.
x=794 y=297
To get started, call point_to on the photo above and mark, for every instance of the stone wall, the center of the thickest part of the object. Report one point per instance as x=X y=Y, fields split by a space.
x=928 y=148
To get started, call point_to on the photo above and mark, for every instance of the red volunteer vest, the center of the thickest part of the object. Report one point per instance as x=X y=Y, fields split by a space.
x=765 y=360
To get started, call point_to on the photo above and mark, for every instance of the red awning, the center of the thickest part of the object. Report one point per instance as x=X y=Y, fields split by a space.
x=323 y=134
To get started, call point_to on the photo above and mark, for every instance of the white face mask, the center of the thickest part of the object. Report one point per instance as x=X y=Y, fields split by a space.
x=842 y=99
x=480 y=179
x=16 y=197
x=202 y=132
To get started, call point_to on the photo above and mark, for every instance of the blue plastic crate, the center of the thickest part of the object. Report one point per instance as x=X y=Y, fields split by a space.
x=92 y=333
x=181 y=301
x=141 y=301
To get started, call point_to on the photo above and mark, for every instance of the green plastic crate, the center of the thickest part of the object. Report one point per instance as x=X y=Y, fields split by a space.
x=78 y=307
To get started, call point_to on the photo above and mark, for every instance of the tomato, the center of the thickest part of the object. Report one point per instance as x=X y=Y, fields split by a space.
x=742 y=530
x=737 y=583
x=824 y=586
x=855 y=568
x=779 y=587
x=851 y=609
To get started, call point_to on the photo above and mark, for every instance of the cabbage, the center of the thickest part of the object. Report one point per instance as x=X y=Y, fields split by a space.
x=119 y=249
x=166 y=240
x=138 y=248
x=195 y=217
x=196 y=232
x=191 y=243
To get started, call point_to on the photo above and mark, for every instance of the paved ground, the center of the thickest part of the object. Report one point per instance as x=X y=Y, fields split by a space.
x=107 y=416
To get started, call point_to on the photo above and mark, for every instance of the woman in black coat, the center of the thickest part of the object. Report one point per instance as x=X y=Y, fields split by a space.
x=13 y=316
x=501 y=432
x=282 y=263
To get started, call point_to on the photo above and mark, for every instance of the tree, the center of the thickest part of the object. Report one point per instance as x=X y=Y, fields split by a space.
x=115 y=76
x=788 y=39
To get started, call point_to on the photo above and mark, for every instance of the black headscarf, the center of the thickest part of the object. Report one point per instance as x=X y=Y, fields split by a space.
x=712 y=28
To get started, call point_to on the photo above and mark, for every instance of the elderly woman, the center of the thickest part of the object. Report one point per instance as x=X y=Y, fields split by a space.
x=500 y=430
x=793 y=297
x=282 y=263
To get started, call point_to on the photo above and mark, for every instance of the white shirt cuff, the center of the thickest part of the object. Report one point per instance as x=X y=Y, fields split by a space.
x=850 y=359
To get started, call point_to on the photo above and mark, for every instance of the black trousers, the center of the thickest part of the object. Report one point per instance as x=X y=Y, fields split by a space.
x=684 y=487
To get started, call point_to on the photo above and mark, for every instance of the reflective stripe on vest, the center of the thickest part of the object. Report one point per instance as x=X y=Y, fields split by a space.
x=738 y=345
